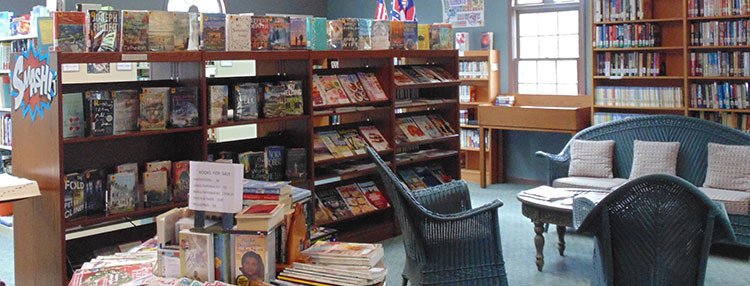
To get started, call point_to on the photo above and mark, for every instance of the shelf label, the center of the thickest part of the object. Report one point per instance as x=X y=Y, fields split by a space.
x=124 y=66
x=615 y=77
x=215 y=187
x=135 y=57
x=71 y=67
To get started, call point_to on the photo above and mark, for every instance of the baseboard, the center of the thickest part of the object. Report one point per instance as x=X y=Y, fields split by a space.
x=525 y=181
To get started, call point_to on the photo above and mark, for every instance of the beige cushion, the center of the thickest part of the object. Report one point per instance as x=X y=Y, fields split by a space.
x=654 y=158
x=588 y=183
x=591 y=158
x=736 y=202
x=728 y=167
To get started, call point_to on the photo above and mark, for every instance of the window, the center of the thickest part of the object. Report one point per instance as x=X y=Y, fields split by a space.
x=547 y=47
x=203 y=6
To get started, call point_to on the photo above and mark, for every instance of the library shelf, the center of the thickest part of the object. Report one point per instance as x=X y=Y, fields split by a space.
x=425 y=53
x=640 y=108
x=425 y=159
x=4 y=71
x=351 y=54
x=660 y=20
x=474 y=81
x=132 y=134
x=740 y=47
x=343 y=176
x=713 y=78
x=260 y=121
x=469 y=126
x=429 y=141
x=5 y=109
x=17 y=37
x=471 y=149
x=471 y=104
x=112 y=57
x=354 y=217
x=417 y=107
x=607 y=77
x=450 y=83
x=140 y=212
x=257 y=55
x=634 y=49
x=708 y=18
x=719 y=110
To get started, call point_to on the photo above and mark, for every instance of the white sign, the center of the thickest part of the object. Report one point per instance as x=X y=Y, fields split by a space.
x=463 y=13
x=71 y=67
x=124 y=66
x=215 y=187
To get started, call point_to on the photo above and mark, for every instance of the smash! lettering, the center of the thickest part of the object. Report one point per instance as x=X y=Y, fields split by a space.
x=33 y=82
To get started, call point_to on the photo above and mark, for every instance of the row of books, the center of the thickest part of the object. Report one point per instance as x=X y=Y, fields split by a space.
x=12 y=25
x=96 y=191
x=346 y=88
x=345 y=201
x=347 y=142
x=604 y=117
x=723 y=118
x=5 y=94
x=416 y=154
x=638 y=96
x=104 y=112
x=616 y=10
x=6 y=130
x=251 y=100
x=473 y=69
x=720 y=33
x=722 y=95
x=337 y=263
x=709 y=8
x=734 y=63
x=631 y=64
x=273 y=163
x=627 y=35
x=466 y=117
x=467 y=93
x=422 y=177
x=421 y=74
x=470 y=139
x=368 y=34
x=422 y=127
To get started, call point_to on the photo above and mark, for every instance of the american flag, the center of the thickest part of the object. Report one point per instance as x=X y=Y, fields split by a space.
x=382 y=13
x=403 y=10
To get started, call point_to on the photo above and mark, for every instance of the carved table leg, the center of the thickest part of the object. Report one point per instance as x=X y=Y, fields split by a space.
x=539 y=242
x=561 y=239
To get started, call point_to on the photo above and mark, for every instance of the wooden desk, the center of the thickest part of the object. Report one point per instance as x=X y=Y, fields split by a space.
x=541 y=113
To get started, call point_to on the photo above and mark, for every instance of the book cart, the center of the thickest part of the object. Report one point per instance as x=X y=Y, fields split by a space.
x=48 y=246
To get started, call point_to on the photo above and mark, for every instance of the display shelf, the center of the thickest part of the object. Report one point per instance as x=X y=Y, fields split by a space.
x=113 y=57
x=4 y=71
x=661 y=20
x=131 y=135
x=256 y=55
x=474 y=81
x=417 y=107
x=355 y=217
x=351 y=54
x=260 y=121
x=742 y=47
x=640 y=108
x=376 y=109
x=5 y=109
x=349 y=158
x=96 y=220
x=719 y=110
x=327 y=179
x=451 y=83
x=425 y=53
x=635 y=49
x=353 y=104
x=470 y=104
x=469 y=126
x=17 y=37
x=425 y=159
x=713 y=78
x=429 y=141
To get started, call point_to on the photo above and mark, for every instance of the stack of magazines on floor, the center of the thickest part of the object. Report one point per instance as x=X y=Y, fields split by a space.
x=337 y=263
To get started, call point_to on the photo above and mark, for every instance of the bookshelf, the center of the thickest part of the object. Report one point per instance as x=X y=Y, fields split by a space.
x=7 y=45
x=485 y=85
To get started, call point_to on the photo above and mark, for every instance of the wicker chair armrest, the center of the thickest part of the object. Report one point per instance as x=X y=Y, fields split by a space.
x=448 y=198
x=489 y=208
x=557 y=165
x=581 y=208
x=561 y=158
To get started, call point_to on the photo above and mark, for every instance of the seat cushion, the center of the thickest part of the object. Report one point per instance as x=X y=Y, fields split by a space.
x=736 y=202
x=654 y=158
x=591 y=158
x=728 y=167
x=588 y=183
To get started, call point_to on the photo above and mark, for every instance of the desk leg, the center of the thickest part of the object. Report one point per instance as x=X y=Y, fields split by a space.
x=482 y=160
x=539 y=242
x=561 y=239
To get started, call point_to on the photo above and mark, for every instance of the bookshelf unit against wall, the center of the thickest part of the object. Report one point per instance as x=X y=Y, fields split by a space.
x=8 y=45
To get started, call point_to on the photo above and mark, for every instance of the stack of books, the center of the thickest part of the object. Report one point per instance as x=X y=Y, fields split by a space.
x=339 y=263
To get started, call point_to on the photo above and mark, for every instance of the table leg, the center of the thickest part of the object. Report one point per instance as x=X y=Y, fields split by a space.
x=561 y=239
x=539 y=242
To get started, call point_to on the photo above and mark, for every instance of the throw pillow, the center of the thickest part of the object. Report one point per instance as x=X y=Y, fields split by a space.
x=728 y=167
x=591 y=158
x=654 y=158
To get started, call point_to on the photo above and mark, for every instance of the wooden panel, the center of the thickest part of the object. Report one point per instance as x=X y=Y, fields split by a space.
x=552 y=100
x=572 y=118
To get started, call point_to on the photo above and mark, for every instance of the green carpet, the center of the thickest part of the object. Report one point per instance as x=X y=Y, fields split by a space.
x=517 y=236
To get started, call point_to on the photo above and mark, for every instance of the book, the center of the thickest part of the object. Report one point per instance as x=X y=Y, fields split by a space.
x=260 y=217
x=102 y=117
x=365 y=34
x=123 y=193
x=488 y=41
x=413 y=74
x=296 y=164
x=274 y=163
x=103 y=31
x=246 y=101
x=317 y=36
x=184 y=107
x=45 y=31
x=462 y=41
x=370 y=83
x=442 y=126
x=353 y=87
x=155 y=188
x=70 y=31
x=73 y=120
x=446 y=37
x=411 y=35
x=335 y=34
x=426 y=74
x=214 y=32
x=346 y=252
x=253 y=257
x=181 y=180
x=317 y=98
x=427 y=176
x=256 y=162
x=260 y=32
x=297 y=33
x=194 y=40
x=411 y=129
x=427 y=126
x=196 y=255
x=274 y=99
x=373 y=194
x=439 y=173
x=334 y=203
x=374 y=138
x=435 y=37
x=320 y=150
x=355 y=199
x=135 y=31
x=354 y=141
x=126 y=109
x=381 y=34
x=350 y=34
x=239 y=32
x=423 y=37
x=400 y=77
x=332 y=91
x=335 y=144
x=219 y=99
x=397 y=35
x=412 y=180
x=293 y=104
x=222 y=257
x=94 y=191
x=279 y=35
x=154 y=110
x=74 y=195
x=181 y=31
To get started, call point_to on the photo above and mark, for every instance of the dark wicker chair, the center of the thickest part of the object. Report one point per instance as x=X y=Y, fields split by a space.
x=654 y=230
x=446 y=241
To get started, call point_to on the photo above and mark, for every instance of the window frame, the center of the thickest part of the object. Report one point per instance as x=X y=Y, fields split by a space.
x=514 y=10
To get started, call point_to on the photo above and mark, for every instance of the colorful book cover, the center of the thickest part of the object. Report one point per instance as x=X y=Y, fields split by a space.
x=411 y=35
x=374 y=137
x=423 y=36
x=214 y=32
x=135 y=31
x=488 y=41
x=334 y=203
x=373 y=194
x=181 y=31
x=412 y=180
x=246 y=101
x=244 y=159
x=257 y=163
x=45 y=30
x=427 y=126
x=274 y=95
x=317 y=36
x=239 y=32
x=275 y=162
x=320 y=151
x=181 y=180
x=355 y=142
x=253 y=257
x=435 y=37
x=427 y=176
x=413 y=74
x=317 y=98
x=160 y=31
x=443 y=126
x=222 y=256
x=365 y=34
x=196 y=31
x=446 y=37
x=293 y=103
x=381 y=35
x=353 y=87
x=123 y=193
x=74 y=196
x=397 y=35
x=102 y=117
x=219 y=95
x=350 y=33
x=73 y=120
x=462 y=41
x=125 y=110
x=154 y=111
x=296 y=164
x=70 y=29
x=372 y=86
x=427 y=74
x=103 y=31
x=261 y=32
x=400 y=78
x=335 y=34
x=279 y=36
x=355 y=199
x=336 y=144
x=184 y=107
x=196 y=255
x=94 y=192
x=332 y=91
x=155 y=188
x=411 y=129
x=298 y=33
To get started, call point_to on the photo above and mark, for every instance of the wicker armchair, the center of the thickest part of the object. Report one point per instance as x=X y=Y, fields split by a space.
x=654 y=230
x=446 y=242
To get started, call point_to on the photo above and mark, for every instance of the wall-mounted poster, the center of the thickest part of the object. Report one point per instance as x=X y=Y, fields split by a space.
x=463 y=13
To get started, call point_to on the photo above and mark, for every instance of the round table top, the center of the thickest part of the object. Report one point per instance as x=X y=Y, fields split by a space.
x=564 y=204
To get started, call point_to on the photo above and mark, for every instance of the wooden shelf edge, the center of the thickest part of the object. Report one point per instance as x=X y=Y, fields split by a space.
x=638 y=49
x=375 y=104
x=344 y=176
x=706 y=18
x=742 y=78
x=96 y=220
x=428 y=141
x=114 y=57
x=131 y=135
x=718 y=47
x=430 y=85
x=355 y=157
x=603 y=77
x=426 y=159
x=6 y=147
x=259 y=121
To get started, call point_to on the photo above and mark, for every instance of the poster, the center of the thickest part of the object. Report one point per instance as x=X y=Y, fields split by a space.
x=463 y=13
x=33 y=78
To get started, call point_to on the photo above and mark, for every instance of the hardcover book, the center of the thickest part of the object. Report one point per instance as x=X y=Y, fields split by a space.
x=335 y=34
x=275 y=162
x=219 y=98
x=181 y=31
x=196 y=32
x=353 y=87
x=181 y=180
x=365 y=34
x=334 y=203
x=435 y=37
x=135 y=31
x=45 y=30
x=253 y=257
x=373 y=194
x=355 y=199
x=293 y=104
x=411 y=35
x=247 y=167
x=196 y=255
x=73 y=120
x=381 y=35
x=296 y=164
x=446 y=37
x=372 y=86
x=103 y=31
x=160 y=31
x=261 y=32
x=274 y=95
x=333 y=92
x=123 y=193
x=184 y=107
x=298 y=33
x=94 y=191
x=239 y=32
x=125 y=110
x=154 y=108
x=317 y=37
x=70 y=29
x=155 y=188
x=423 y=37
x=350 y=34
x=74 y=196
x=102 y=117
x=397 y=35
x=214 y=32
x=257 y=163
x=246 y=101
x=374 y=137
x=279 y=37
x=354 y=141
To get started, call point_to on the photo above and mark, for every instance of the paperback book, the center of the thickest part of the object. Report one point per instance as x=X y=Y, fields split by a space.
x=332 y=91
x=279 y=36
x=373 y=194
x=222 y=257
x=335 y=34
x=255 y=165
x=321 y=152
x=196 y=255
x=365 y=34
x=435 y=37
x=214 y=32
x=103 y=31
x=397 y=35
x=381 y=34
x=411 y=35
x=123 y=193
x=239 y=32
x=253 y=257
x=194 y=40
x=427 y=126
x=125 y=111
x=296 y=164
x=260 y=32
x=317 y=37
x=354 y=141
x=246 y=101
x=102 y=117
x=219 y=99
x=184 y=107
x=488 y=41
x=374 y=137
x=317 y=98
x=411 y=129
x=74 y=196
x=298 y=33
x=73 y=120
x=274 y=163
x=155 y=187
x=372 y=86
x=274 y=96
x=353 y=87
x=350 y=34
x=355 y=199
x=423 y=37
x=181 y=180
x=335 y=144
x=446 y=37
x=181 y=31
x=334 y=203
x=160 y=31
x=154 y=110
x=135 y=31
x=70 y=29
x=293 y=104
x=462 y=41
x=94 y=182
x=412 y=180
